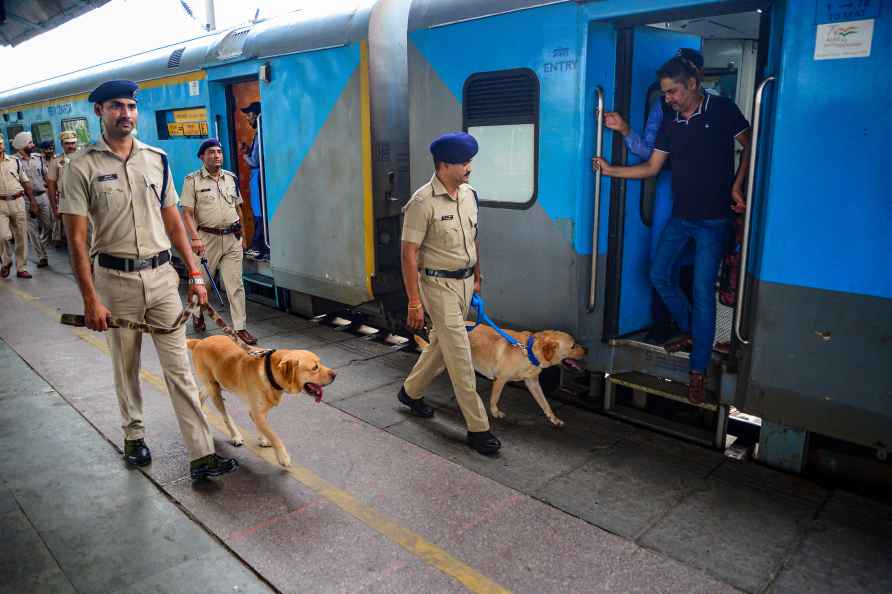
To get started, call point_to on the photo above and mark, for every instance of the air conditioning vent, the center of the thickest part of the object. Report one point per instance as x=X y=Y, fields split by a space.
x=174 y=60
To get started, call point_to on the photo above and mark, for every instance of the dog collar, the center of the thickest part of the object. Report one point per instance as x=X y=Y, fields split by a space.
x=268 y=368
x=530 y=355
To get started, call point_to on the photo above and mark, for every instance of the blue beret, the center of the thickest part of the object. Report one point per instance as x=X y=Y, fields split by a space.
x=454 y=147
x=208 y=144
x=253 y=108
x=113 y=89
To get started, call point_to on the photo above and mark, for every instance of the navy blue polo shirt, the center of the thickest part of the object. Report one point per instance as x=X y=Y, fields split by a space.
x=702 y=150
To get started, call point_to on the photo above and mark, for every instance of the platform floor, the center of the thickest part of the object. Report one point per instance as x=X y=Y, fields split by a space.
x=378 y=501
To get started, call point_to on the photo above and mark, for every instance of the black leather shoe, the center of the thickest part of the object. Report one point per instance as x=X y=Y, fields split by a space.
x=484 y=442
x=211 y=465
x=43 y=263
x=136 y=453
x=418 y=407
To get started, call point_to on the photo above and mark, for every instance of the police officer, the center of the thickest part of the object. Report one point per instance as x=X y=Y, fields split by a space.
x=15 y=188
x=126 y=189
x=54 y=170
x=441 y=273
x=40 y=227
x=211 y=205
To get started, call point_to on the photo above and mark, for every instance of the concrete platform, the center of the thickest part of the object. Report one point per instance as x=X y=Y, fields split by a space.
x=377 y=500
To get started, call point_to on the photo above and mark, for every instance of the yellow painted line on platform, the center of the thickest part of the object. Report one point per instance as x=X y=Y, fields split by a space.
x=414 y=543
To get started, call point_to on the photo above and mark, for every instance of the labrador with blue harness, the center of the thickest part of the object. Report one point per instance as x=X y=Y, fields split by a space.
x=507 y=356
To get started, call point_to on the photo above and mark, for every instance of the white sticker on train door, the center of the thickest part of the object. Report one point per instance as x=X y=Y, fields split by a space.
x=837 y=41
x=193 y=88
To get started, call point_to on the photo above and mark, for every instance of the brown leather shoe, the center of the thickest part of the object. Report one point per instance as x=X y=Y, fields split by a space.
x=23 y=274
x=198 y=323
x=4 y=271
x=246 y=337
x=697 y=388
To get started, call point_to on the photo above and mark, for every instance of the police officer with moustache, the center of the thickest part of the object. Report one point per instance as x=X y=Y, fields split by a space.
x=441 y=273
x=15 y=190
x=40 y=225
x=211 y=204
x=53 y=173
x=126 y=189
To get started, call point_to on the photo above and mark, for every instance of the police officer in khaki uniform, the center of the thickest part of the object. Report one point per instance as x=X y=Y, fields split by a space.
x=441 y=273
x=15 y=188
x=40 y=227
x=211 y=205
x=54 y=170
x=126 y=189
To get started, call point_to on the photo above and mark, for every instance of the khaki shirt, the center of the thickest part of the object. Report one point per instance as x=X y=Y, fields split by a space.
x=445 y=228
x=12 y=175
x=215 y=201
x=36 y=170
x=54 y=169
x=122 y=198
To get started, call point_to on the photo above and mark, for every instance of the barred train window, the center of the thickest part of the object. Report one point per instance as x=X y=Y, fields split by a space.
x=501 y=110
x=41 y=132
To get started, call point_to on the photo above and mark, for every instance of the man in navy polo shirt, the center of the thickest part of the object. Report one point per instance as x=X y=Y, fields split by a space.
x=706 y=191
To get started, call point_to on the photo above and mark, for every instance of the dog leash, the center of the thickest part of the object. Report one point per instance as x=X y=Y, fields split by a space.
x=194 y=308
x=479 y=306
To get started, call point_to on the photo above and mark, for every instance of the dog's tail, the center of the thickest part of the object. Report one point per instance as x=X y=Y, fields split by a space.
x=422 y=343
x=190 y=343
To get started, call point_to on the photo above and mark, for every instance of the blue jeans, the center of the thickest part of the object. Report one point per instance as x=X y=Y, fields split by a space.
x=662 y=214
x=710 y=242
x=259 y=240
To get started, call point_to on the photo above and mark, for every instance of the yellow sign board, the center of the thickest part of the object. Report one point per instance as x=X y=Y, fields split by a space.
x=198 y=114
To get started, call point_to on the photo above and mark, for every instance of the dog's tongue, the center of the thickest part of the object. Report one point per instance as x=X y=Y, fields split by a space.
x=572 y=364
x=314 y=390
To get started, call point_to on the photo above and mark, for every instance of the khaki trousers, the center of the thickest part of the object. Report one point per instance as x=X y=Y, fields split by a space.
x=40 y=228
x=225 y=252
x=446 y=300
x=14 y=223
x=151 y=296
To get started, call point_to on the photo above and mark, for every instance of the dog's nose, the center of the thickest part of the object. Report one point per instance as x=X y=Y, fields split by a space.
x=333 y=374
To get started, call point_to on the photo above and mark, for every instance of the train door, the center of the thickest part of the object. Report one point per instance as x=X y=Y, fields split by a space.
x=638 y=365
x=241 y=139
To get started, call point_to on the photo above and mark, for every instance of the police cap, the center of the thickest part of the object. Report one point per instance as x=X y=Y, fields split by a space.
x=113 y=89
x=454 y=147
x=208 y=144
x=253 y=108
x=68 y=136
x=46 y=145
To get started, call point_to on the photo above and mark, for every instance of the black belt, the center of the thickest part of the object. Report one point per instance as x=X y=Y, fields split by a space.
x=461 y=274
x=11 y=196
x=127 y=265
x=215 y=231
x=40 y=193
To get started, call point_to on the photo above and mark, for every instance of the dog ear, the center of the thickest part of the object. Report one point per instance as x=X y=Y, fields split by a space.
x=289 y=369
x=549 y=349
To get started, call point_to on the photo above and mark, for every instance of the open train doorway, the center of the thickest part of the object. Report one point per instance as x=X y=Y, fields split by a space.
x=245 y=144
x=729 y=51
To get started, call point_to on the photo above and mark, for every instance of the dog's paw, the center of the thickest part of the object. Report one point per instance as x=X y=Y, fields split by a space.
x=498 y=414
x=556 y=421
x=264 y=442
x=237 y=441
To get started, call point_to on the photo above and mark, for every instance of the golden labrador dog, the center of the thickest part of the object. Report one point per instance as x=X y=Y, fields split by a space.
x=497 y=360
x=221 y=364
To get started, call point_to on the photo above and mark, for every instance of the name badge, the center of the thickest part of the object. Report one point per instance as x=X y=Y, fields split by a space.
x=109 y=177
x=446 y=217
x=205 y=190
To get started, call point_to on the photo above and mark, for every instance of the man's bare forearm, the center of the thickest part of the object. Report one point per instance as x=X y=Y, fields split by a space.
x=409 y=261
x=76 y=231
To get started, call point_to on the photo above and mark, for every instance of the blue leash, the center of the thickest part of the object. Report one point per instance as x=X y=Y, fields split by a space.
x=479 y=306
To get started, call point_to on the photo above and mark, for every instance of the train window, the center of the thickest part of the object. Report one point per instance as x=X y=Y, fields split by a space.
x=11 y=131
x=501 y=110
x=191 y=122
x=41 y=132
x=79 y=126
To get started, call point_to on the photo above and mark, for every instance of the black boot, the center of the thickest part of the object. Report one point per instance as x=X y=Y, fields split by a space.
x=484 y=442
x=211 y=465
x=418 y=407
x=136 y=452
